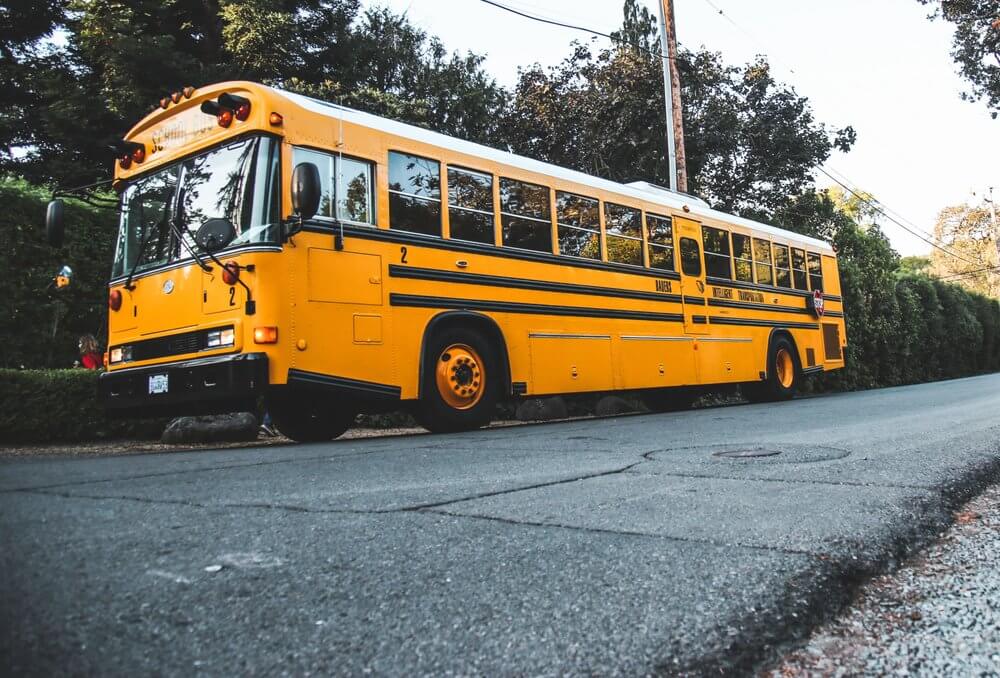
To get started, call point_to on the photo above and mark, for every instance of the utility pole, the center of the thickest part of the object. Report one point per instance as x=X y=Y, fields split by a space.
x=672 y=93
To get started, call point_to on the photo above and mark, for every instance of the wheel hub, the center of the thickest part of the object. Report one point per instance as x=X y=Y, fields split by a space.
x=460 y=376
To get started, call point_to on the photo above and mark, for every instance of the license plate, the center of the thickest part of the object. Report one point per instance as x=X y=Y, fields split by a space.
x=158 y=383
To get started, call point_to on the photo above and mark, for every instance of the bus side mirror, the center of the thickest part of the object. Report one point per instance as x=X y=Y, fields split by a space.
x=55 y=225
x=306 y=190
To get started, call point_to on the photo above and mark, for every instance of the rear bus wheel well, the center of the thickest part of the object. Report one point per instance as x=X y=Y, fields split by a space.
x=466 y=320
x=785 y=334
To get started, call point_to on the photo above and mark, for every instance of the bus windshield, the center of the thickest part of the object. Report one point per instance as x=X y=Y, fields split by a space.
x=238 y=182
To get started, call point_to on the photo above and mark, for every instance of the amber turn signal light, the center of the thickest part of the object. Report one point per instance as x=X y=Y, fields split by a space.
x=265 y=335
x=275 y=119
x=115 y=300
x=187 y=91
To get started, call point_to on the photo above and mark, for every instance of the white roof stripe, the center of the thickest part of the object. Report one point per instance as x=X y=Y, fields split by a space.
x=662 y=197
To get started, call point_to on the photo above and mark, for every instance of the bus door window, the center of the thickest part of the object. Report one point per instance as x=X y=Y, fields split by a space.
x=660 y=234
x=578 y=220
x=717 y=259
x=762 y=262
x=525 y=215
x=690 y=257
x=414 y=194
x=782 y=267
x=815 y=271
x=470 y=205
x=799 y=269
x=742 y=258
x=623 y=234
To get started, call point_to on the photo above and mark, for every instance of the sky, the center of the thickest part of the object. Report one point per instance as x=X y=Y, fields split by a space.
x=880 y=67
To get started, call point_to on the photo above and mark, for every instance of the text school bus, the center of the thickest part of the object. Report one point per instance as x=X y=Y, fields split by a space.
x=337 y=262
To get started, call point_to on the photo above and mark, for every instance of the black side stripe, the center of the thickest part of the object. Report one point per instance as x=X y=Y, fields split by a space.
x=699 y=320
x=833 y=314
x=812 y=370
x=833 y=297
x=436 y=242
x=717 y=320
x=341 y=383
x=757 y=307
x=414 y=273
x=419 y=301
x=697 y=301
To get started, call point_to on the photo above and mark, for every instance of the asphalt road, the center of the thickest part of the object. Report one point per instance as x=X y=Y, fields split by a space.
x=605 y=546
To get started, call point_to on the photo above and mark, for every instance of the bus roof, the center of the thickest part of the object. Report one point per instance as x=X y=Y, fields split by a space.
x=639 y=190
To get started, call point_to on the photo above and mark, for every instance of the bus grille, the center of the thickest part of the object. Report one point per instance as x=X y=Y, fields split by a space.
x=831 y=341
x=176 y=344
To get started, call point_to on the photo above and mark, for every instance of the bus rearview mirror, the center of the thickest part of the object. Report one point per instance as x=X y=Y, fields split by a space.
x=55 y=225
x=306 y=190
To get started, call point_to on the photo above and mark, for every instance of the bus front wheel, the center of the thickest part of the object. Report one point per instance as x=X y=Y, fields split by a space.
x=309 y=419
x=782 y=374
x=460 y=382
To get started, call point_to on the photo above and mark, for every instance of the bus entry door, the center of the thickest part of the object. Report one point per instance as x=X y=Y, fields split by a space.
x=692 y=275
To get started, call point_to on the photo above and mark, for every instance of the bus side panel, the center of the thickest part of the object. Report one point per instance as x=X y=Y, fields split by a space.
x=341 y=327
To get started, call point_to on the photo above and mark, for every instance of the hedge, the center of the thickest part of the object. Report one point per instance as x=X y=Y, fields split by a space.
x=42 y=406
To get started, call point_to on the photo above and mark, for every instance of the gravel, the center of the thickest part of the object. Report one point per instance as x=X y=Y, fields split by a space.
x=938 y=615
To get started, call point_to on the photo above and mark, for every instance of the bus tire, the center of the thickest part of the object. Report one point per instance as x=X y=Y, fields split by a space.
x=461 y=380
x=310 y=418
x=669 y=399
x=783 y=374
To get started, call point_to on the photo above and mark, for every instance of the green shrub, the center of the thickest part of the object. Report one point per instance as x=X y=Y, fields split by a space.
x=41 y=406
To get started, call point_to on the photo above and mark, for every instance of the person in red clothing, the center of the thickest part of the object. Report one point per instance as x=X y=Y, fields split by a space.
x=90 y=355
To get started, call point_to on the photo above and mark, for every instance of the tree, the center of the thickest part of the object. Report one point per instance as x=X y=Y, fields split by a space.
x=968 y=232
x=751 y=141
x=82 y=72
x=915 y=265
x=976 y=45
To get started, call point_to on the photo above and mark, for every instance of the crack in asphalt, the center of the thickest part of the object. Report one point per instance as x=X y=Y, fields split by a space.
x=435 y=508
x=850 y=483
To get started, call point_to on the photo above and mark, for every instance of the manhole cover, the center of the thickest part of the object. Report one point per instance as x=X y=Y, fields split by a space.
x=747 y=453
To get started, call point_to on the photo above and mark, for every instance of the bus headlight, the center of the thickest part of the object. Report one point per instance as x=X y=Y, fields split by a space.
x=120 y=354
x=220 y=338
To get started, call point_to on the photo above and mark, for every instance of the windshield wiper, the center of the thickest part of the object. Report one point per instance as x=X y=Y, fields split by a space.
x=175 y=226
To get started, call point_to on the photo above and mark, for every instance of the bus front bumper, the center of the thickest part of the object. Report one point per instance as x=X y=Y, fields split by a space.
x=230 y=383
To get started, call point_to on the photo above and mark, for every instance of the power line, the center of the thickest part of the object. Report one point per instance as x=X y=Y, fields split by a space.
x=877 y=207
x=969 y=274
x=742 y=30
x=583 y=29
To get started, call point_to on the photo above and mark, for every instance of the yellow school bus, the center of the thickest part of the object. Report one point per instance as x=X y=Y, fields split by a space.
x=334 y=262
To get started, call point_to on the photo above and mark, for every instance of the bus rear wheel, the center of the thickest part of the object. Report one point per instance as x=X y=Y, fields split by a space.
x=782 y=374
x=669 y=399
x=309 y=418
x=460 y=382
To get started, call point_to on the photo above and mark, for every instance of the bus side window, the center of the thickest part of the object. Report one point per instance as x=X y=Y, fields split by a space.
x=414 y=194
x=782 y=268
x=762 y=262
x=742 y=258
x=799 y=269
x=525 y=215
x=815 y=271
x=660 y=232
x=470 y=205
x=346 y=185
x=717 y=259
x=623 y=234
x=579 y=222
x=690 y=257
